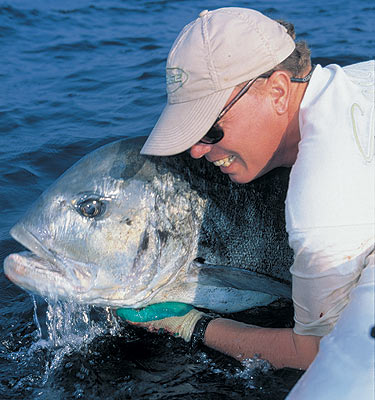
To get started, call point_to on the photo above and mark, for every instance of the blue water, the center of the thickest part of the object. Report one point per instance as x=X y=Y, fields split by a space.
x=75 y=75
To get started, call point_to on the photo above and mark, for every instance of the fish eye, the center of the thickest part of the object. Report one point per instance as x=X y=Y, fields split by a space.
x=90 y=207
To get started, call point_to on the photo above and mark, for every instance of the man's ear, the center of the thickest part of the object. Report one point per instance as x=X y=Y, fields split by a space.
x=279 y=87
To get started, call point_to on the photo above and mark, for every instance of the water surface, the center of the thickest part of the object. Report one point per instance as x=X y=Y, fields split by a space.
x=78 y=74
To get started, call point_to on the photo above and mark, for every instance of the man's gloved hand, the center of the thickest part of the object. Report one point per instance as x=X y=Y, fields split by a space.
x=179 y=319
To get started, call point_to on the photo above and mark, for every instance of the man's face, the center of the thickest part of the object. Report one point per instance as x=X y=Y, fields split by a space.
x=253 y=136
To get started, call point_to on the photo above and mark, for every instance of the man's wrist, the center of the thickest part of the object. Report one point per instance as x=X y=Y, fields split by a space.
x=197 y=337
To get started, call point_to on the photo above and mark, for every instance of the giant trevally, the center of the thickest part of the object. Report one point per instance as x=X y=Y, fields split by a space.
x=120 y=229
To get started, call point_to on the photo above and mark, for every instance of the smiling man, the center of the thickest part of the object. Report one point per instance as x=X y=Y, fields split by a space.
x=273 y=109
x=244 y=95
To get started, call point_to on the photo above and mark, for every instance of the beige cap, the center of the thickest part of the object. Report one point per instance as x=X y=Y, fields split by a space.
x=212 y=55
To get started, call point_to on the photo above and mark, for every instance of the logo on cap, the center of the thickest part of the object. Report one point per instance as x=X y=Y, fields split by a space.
x=176 y=77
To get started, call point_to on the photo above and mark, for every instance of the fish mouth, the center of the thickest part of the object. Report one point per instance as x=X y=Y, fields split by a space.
x=30 y=241
x=31 y=272
x=43 y=271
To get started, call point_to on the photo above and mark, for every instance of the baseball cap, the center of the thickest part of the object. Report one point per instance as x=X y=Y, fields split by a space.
x=216 y=52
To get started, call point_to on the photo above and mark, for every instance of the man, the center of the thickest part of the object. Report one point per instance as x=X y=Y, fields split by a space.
x=242 y=94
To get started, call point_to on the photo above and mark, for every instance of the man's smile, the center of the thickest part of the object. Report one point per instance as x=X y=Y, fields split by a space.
x=224 y=162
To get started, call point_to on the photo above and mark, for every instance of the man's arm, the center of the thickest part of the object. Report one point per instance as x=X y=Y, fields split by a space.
x=281 y=347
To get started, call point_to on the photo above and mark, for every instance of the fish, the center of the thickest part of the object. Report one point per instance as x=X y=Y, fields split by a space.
x=120 y=229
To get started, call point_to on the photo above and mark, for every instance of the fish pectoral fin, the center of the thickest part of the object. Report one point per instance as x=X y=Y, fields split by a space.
x=240 y=279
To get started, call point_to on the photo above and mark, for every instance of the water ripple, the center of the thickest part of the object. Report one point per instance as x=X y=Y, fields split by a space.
x=74 y=76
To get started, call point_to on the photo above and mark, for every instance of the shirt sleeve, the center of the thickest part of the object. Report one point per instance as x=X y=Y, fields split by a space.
x=324 y=273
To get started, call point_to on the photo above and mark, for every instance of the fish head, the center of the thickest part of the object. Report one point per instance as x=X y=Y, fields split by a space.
x=111 y=231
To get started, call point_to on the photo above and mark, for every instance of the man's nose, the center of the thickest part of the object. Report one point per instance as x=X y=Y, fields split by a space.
x=200 y=149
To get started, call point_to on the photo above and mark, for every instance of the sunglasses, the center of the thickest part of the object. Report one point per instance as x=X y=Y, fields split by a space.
x=216 y=133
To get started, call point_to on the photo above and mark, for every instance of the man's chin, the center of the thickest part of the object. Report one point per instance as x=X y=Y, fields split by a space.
x=240 y=179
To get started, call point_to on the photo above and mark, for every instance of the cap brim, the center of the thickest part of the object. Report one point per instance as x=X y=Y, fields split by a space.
x=181 y=125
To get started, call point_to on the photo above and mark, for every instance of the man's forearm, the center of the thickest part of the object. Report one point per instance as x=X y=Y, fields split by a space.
x=281 y=347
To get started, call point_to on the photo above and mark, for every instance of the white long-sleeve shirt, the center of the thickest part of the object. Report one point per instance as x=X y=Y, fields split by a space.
x=330 y=205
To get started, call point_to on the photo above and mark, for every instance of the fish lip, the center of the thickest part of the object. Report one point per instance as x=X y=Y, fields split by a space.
x=16 y=264
x=32 y=243
x=73 y=273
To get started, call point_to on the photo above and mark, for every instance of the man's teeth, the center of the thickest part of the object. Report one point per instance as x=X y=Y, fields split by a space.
x=225 y=162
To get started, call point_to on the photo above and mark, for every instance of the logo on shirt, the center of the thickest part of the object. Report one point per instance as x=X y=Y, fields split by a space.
x=176 y=77
x=367 y=150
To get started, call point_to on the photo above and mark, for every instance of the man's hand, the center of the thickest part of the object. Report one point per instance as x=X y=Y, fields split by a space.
x=178 y=319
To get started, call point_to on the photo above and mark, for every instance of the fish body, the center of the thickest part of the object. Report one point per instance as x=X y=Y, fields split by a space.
x=121 y=229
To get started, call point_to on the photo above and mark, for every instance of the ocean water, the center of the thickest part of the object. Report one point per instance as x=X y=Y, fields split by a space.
x=78 y=74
